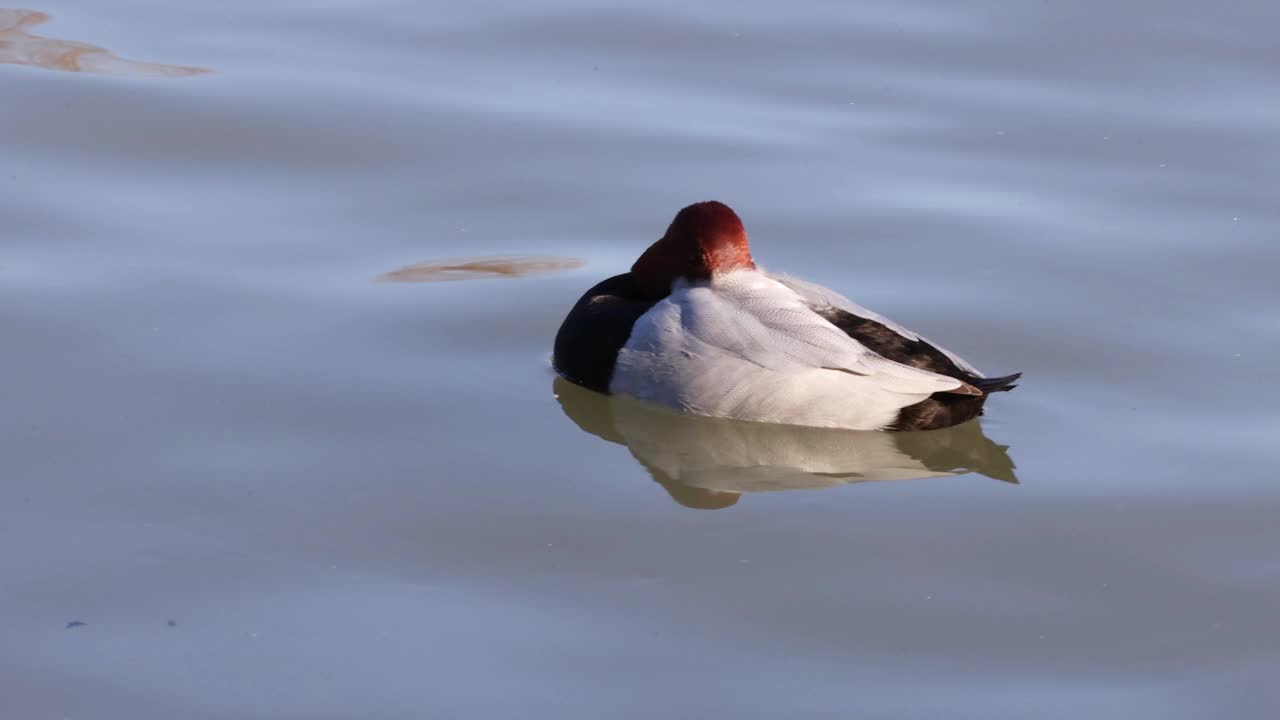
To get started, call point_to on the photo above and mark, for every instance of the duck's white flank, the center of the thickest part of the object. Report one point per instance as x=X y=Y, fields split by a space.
x=748 y=346
x=817 y=296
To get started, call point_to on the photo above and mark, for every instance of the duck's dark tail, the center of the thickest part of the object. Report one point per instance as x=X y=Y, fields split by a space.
x=947 y=408
x=999 y=384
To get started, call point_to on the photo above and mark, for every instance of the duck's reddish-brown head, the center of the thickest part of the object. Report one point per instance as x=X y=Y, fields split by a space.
x=705 y=239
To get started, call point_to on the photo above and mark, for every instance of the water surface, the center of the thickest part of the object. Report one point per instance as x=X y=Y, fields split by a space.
x=272 y=486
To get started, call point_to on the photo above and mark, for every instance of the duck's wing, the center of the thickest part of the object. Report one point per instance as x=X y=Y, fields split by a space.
x=830 y=303
x=755 y=318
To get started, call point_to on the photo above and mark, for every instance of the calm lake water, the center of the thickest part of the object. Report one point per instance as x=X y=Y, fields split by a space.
x=272 y=484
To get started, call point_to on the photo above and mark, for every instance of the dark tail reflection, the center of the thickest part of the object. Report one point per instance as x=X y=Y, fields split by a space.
x=709 y=463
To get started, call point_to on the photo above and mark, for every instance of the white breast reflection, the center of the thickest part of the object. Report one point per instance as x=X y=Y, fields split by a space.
x=710 y=463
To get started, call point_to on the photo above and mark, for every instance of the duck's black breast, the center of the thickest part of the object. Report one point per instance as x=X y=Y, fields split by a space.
x=596 y=329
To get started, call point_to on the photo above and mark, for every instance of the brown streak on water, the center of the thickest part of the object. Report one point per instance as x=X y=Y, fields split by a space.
x=18 y=47
x=480 y=268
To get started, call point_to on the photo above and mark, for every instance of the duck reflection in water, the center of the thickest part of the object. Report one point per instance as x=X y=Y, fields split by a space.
x=709 y=463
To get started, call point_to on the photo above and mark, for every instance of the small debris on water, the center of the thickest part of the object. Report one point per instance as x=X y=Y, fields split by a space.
x=19 y=46
x=480 y=268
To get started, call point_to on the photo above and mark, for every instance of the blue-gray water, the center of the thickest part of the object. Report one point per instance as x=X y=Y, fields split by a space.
x=274 y=486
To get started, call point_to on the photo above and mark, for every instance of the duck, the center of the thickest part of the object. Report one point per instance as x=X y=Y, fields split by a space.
x=696 y=326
